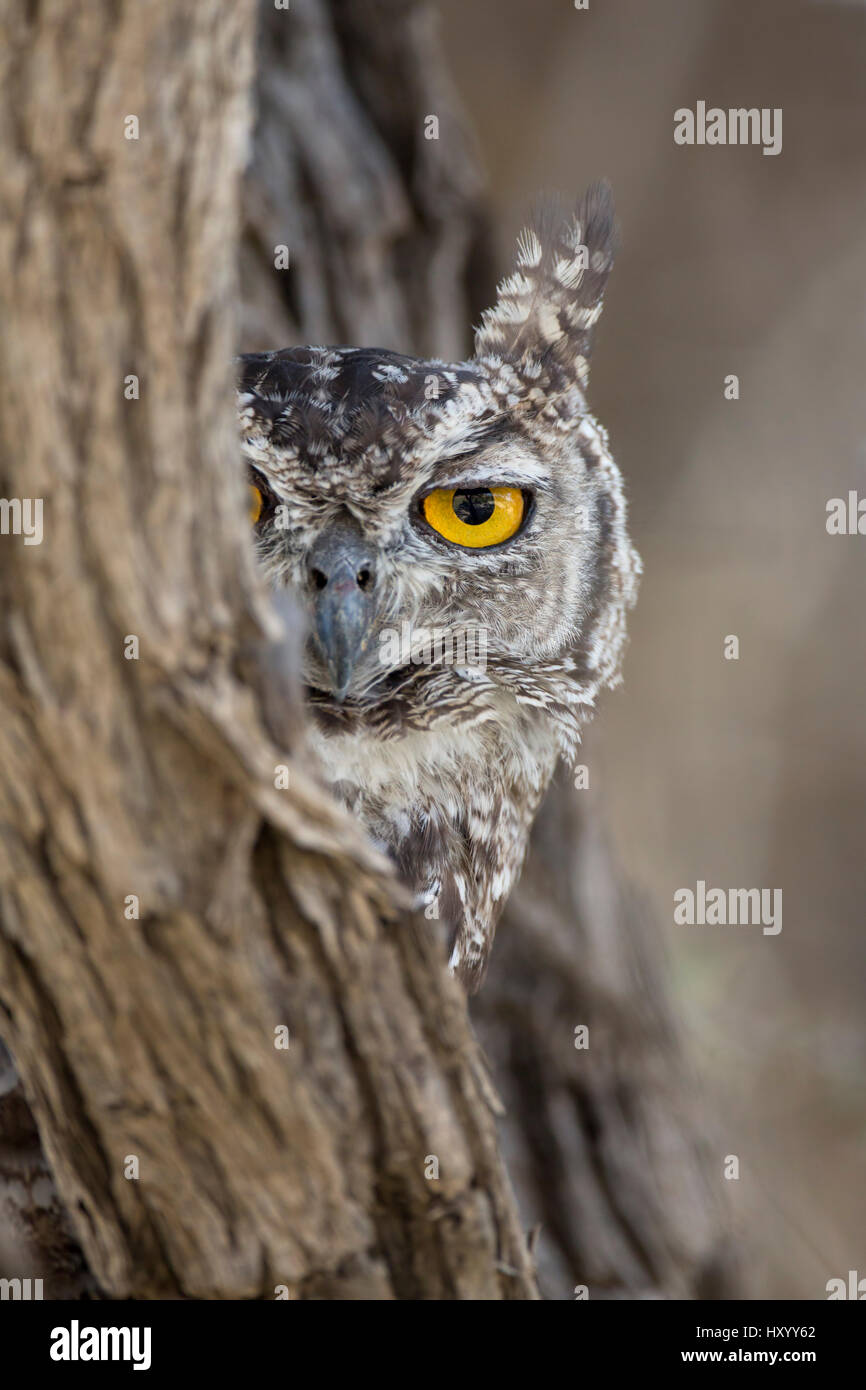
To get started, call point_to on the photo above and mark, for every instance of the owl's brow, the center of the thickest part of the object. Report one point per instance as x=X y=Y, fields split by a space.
x=496 y=430
x=500 y=426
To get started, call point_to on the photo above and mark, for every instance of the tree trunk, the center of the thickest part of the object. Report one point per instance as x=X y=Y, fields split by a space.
x=168 y=907
x=261 y=907
x=602 y=1134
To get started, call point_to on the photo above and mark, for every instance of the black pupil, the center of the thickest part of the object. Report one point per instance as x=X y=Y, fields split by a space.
x=475 y=506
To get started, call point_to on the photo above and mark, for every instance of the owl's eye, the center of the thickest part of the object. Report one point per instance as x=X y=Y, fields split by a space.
x=476 y=516
x=257 y=502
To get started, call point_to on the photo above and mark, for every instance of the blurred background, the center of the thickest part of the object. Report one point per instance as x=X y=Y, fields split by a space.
x=751 y=772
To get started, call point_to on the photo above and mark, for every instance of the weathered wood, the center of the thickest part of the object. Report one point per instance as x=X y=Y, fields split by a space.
x=602 y=1133
x=146 y=1031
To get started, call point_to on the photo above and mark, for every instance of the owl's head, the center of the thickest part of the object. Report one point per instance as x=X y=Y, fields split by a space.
x=401 y=497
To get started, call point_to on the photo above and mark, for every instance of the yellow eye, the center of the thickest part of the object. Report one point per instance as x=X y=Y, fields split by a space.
x=476 y=516
x=256 y=503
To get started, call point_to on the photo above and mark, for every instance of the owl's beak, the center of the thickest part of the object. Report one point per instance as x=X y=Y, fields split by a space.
x=343 y=600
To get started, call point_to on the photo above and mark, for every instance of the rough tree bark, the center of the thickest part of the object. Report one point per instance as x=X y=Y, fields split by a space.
x=150 y=1033
x=155 y=777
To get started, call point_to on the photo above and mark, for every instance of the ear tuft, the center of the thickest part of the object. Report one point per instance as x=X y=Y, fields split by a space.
x=548 y=307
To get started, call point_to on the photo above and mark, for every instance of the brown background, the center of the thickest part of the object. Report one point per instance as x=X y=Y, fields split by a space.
x=747 y=773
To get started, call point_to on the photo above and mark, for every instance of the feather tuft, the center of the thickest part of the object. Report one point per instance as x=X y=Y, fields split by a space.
x=546 y=310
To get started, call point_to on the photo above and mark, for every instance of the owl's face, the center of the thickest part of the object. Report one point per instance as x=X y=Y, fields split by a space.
x=465 y=514
x=476 y=501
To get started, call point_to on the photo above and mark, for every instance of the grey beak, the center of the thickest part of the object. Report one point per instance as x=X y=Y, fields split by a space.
x=341 y=573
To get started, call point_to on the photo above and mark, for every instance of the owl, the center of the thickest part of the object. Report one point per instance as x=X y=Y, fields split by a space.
x=456 y=533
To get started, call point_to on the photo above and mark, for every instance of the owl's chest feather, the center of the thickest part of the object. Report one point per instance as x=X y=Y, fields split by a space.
x=397 y=778
x=453 y=806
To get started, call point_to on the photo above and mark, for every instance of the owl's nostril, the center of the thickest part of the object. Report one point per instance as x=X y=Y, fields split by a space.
x=320 y=580
x=342 y=570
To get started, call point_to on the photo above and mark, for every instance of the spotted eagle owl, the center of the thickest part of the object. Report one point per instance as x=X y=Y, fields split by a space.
x=457 y=535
